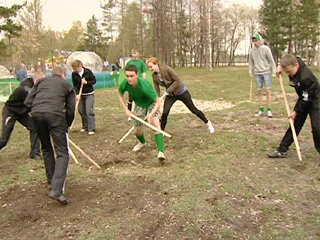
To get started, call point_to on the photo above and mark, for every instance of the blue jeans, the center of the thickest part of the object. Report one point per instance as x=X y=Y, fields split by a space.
x=263 y=80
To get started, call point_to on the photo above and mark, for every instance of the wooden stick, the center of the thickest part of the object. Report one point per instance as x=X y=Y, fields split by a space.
x=151 y=126
x=77 y=105
x=132 y=128
x=251 y=87
x=84 y=154
x=290 y=119
x=73 y=156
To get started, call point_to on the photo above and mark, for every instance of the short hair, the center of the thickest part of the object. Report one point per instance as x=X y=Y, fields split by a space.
x=132 y=68
x=76 y=64
x=57 y=70
x=153 y=60
x=288 y=60
x=134 y=50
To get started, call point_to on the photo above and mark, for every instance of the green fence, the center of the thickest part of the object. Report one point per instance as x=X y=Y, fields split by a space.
x=7 y=86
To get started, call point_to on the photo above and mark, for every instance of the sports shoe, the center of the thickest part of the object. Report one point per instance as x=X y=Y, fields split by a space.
x=35 y=157
x=129 y=119
x=83 y=130
x=260 y=114
x=210 y=127
x=161 y=156
x=60 y=198
x=269 y=114
x=91 y=133
x=138 y=147
x=277 y=154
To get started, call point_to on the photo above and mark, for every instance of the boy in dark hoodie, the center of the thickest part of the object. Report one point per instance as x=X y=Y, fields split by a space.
x=15 y=110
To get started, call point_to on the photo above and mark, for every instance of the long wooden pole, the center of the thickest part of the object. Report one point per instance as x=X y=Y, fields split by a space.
x=151 y=126
x=73 y=156
x=251 y=87
x=294 y=134
x=132 y=128
x=77 y=106
x=84 y=154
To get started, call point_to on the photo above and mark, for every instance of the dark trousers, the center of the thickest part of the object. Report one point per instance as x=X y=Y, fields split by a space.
x=86 y=110
x=130 y=103
x=53 y=126
x=313 y=109
x=186 y=99
x=8 y=121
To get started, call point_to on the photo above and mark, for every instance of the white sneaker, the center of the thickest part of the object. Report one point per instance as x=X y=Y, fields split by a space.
x=210 y=127
x=269 y=114
x=138 y=147
x=91 y=133
x=161 y=156
x=129 y=119
x=260 y=114
x=82 y=130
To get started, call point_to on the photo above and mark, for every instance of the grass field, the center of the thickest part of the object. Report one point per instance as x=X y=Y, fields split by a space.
x=213 y=186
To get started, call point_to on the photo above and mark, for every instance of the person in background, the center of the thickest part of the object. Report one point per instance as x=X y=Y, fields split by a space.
x=263 y=67
x=22 y=73
x=82 y=75
x=142 y=71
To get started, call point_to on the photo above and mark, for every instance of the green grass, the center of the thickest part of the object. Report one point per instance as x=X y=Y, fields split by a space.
x=219 y=186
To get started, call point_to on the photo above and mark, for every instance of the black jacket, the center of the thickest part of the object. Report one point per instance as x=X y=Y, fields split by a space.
x=90 y=78
x=15 y=103
x=52 y=95
x=306 y=85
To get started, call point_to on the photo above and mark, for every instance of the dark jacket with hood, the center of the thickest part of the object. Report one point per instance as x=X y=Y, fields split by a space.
x=15 y=103
x=52 y=95
x=307 y=87
x=90 y=78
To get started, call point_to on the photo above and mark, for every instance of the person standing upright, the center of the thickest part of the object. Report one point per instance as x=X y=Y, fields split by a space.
x=52 y=103
x=82 y=75
x=142 y=70
x=22 y=73
x=263 y=67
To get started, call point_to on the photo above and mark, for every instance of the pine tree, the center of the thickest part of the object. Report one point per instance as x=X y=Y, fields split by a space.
x=7 y=25
x=276 y=17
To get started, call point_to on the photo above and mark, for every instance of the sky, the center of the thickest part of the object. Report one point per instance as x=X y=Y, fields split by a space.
x=59 y=15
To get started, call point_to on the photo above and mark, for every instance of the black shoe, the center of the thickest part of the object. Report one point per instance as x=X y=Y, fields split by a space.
x=60 y=198
x=277 y=154
x=36 y=157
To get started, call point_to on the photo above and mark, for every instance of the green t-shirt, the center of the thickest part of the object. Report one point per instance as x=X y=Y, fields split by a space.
x=139 y=64
x=143 y=95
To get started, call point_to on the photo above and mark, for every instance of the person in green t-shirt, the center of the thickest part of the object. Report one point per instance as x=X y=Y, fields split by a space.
x=147 y=106
x=142 y=71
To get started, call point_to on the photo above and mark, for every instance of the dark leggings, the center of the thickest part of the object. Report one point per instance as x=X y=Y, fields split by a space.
x=186 y=99
x=130 y=103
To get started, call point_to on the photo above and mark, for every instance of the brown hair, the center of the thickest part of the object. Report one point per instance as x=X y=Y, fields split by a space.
x=76 y=64
x=288 y=60
x=153 y=60
x=58 y=71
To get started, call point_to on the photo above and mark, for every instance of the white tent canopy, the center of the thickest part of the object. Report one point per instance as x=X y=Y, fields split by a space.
x=5 y=73
x=89 y=59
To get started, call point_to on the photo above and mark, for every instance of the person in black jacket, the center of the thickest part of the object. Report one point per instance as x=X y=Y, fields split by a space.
x=52 y=102
x=308 y=89
x=15 y=110
x=82 y=75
